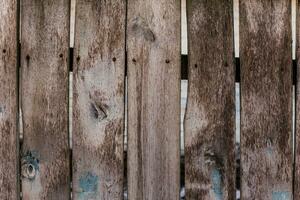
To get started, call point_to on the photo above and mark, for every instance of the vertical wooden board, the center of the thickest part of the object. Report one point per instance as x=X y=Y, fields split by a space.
x=266 y=99
x=8 y=101
x=209 y=119
x=153 y=41
x=98 y=104
x=44 y=81
x=297 y=111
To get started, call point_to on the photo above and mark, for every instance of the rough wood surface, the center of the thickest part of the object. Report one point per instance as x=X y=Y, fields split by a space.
x=297 y=120
x=153 y=39
x=9 y=187
x=98 y=102
x=209 y=119
x=44 y=81
x=266 y=99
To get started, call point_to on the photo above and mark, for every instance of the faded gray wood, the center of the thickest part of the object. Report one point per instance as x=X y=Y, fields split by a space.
x=44 y=84
x=209 y=119
x=266 y=99
x=99 y=82
x=9 y=185
x=153 y=99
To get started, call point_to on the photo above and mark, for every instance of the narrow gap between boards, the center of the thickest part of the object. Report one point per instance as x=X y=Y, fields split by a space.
x=237 y=128
x=294 y=103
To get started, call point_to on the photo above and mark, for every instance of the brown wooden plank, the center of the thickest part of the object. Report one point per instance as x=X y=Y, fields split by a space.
x=153 y=99
x=297 y=115
x=209 y=119
x=266 y=99
x=9 y=186
x=99 y=82
x=44 y=82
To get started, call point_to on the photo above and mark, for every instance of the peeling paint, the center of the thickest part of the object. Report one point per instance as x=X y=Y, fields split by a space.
x=2 y=109
x=88 y=184
x=216 y=178
x=281 y=195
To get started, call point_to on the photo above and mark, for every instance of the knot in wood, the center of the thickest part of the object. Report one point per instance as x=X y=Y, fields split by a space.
x=29 y=165
x=30 y=172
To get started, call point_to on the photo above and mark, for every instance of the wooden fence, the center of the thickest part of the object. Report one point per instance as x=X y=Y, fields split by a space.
x=133 y=47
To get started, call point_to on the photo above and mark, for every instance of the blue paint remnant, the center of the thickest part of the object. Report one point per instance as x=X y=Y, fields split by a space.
x=31 y=157
x=88 y=182
x=269 y=151
x=30 y=164
x=216 y=178
x=281 y=196
x=2 y=108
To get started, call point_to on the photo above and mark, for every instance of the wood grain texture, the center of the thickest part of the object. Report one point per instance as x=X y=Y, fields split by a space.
x=9 y=187
x=266 y=99
x=209 y=119
x=44 y=84
x=98 y=104
x=153 y=40
x=297 y=120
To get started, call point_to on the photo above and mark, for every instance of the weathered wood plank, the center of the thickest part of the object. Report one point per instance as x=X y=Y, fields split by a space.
x=99 y=82
x=153 y=99
x=209 y=119
x=44 y=82
x=9 y=186
x=297 y=119
x=266 y=99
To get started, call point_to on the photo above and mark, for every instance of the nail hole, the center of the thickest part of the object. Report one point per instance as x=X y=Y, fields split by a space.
x=167 y=61
x=78 y=58
x=4 y=51
x=27 y=57
x=61 y=55
x=133 y=60
x=196 y=65
x=114 y=59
